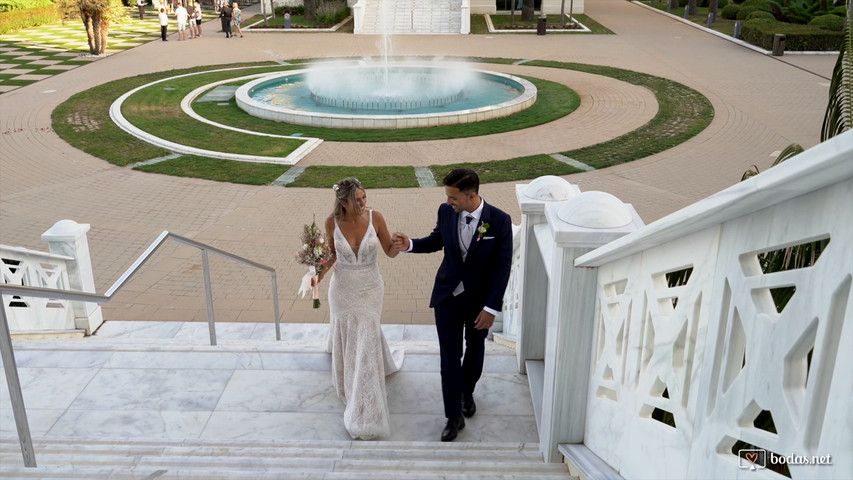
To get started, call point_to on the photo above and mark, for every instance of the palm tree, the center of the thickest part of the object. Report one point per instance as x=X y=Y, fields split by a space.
x=96 y=16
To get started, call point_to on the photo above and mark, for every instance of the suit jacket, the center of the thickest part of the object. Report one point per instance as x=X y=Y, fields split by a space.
x=485 y=271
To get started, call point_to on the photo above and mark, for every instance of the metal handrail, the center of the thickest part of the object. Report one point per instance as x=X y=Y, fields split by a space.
x=8 y=355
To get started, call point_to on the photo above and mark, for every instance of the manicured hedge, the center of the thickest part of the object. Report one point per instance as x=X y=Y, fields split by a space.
x=760 y=14
x=729 y=12
x=828 y=22
x=797 y=37
x=9 y=5
x=29 y=17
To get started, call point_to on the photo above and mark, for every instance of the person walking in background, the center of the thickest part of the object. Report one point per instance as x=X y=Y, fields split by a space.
x=140 y=4
x=191 y=19
x=181 y=15
x=164 y=23
x=225 y=17
x=238 y=17
x=197 y=15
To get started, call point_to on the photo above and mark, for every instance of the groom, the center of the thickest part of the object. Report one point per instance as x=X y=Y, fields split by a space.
x=469 y=287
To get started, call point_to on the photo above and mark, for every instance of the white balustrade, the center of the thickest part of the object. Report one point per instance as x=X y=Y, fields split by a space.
x=678 y=371
x=68 y=266
x=20 y=266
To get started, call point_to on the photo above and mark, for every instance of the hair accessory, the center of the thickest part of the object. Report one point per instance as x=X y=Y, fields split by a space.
x=335 y=187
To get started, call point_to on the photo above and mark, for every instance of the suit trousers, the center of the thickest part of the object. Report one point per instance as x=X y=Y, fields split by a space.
x=460 y=370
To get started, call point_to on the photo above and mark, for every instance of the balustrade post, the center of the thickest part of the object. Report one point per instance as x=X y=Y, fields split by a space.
x=67 y=237
x=584 y=223
x=533 y=282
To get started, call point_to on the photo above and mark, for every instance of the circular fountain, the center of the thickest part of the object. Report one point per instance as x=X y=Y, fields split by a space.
x=385 y=95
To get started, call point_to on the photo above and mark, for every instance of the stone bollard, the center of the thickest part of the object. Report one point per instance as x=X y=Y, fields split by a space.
x=584 y=223
x=778 y=45
x=542 y=25
x=286 y=20
x=738 y=26
x=67 y=237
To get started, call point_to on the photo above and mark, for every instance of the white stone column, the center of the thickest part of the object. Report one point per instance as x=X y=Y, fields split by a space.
x=358 y=17
x=67 y=237
x=532 y=198
x=466 y=17
x=584 y=223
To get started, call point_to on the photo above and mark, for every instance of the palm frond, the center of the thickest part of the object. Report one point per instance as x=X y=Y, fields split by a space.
x=791 y=150
x=839 y=110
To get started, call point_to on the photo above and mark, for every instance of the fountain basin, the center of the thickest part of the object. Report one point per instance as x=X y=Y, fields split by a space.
x=366 y=103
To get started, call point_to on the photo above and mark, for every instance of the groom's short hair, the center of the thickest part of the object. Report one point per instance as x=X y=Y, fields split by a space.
x=464 y=179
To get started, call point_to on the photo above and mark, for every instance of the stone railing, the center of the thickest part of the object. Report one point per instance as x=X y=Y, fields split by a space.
x=664 y=351
x=67 y=267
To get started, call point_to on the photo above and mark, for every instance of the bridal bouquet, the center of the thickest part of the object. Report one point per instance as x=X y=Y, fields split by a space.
x=315 y=254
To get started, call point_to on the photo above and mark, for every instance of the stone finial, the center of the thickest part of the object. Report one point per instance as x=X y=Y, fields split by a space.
x=595 y=210
x=550 y=188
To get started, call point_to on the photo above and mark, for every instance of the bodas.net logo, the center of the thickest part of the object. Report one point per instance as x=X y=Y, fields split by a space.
x=752 y=459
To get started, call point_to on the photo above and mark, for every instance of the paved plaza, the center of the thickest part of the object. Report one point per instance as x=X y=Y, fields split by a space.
x=762 y=104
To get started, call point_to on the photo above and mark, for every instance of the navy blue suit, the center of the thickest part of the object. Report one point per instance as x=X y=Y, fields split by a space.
x=484 y=274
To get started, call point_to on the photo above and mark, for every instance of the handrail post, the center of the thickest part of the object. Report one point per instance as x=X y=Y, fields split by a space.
x=208 y=293
x=275 y=306
x=14 y=383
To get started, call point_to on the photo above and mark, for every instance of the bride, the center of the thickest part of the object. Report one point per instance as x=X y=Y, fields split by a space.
x=360 y=355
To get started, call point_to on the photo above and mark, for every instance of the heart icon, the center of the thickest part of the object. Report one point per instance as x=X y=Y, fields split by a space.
x=752 y=457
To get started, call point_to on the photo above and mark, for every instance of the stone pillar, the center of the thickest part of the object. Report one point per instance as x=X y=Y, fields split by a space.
x=532 y=198
x=67 y=237
x=584 y=223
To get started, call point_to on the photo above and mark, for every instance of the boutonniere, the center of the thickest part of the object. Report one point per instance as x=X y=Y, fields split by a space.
x=481 y=230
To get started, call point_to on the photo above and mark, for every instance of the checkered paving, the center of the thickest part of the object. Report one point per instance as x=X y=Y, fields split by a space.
x=29 y=55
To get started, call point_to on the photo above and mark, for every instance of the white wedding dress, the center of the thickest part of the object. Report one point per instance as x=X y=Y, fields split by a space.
x=360 y=355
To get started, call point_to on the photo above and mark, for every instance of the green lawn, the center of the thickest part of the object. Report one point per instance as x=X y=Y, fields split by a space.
x=83 y=121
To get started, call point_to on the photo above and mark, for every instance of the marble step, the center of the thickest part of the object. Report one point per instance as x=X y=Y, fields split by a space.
x=130 y=458
x=67 y=473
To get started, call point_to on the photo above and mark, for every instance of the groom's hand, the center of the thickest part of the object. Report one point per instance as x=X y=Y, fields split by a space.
x=484 y=320
x=401 y=241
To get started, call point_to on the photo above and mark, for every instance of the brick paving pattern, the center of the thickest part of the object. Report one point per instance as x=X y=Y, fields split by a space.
x=761 y=104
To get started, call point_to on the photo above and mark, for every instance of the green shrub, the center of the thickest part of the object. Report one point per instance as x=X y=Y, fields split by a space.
x=798 y=38
x=755 y=3
x=330 y=13
x=760 y=14
x=291 y=9
x=729 y=12
x=10 y=5
x=828 y=22
x=744 y=11
x=30 y=17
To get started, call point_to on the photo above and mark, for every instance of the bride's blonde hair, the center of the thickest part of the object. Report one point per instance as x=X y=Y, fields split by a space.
x=345 y=191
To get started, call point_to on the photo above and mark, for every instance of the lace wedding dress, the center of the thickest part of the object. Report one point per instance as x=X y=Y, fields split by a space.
x=360 y=355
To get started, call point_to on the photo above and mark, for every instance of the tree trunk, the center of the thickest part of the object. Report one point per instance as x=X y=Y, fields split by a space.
x=104 y=35
x=310 y=10
x=527 y=12
x=691 y=7
x=713 y=7
x=90 y=31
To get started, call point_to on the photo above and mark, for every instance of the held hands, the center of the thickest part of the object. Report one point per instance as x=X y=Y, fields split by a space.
x=401 y=241
x=484 y=320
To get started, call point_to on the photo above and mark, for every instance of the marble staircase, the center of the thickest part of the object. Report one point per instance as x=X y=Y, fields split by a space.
x=412 y=16
x=155 y=400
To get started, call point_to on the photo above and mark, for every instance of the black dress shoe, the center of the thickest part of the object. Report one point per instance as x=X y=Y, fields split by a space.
x=469 y=408
x=452 y=429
